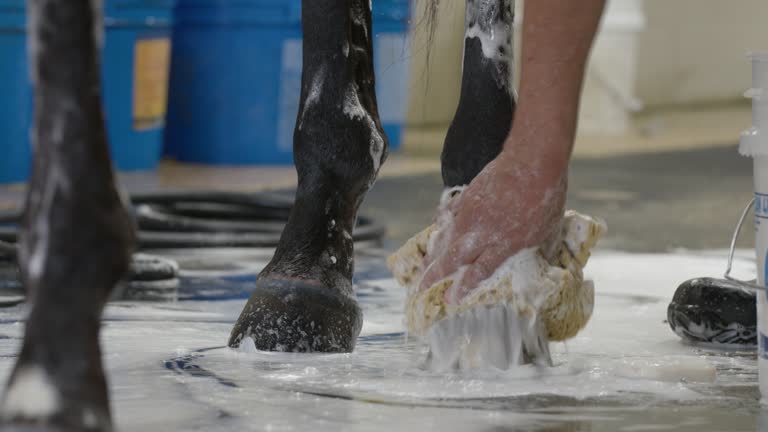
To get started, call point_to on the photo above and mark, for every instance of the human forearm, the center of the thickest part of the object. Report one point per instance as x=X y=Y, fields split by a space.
x=557 y=37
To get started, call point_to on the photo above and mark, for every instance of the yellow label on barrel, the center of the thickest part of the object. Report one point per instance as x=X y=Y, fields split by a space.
x=150 y=82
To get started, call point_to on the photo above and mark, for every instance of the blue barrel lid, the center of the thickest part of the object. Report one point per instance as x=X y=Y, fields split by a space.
x=117 y=13
x=226 y=12
x=233 y=12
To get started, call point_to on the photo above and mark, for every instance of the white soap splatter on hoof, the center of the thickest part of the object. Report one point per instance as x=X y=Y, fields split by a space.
x=247 y=346
x=31 y=395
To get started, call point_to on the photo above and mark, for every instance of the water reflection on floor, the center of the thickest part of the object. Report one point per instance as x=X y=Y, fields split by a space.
x=169 y=369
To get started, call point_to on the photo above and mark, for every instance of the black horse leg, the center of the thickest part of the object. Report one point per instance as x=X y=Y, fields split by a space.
x=303 y=300
x=487 y=104
x=77 y=236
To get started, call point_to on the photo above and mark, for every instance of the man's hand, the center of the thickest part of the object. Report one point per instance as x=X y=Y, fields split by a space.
x=516 y=202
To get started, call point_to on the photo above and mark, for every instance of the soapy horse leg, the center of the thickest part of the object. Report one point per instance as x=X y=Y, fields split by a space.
x=303 y=300
x=484 y=116
x=77 y=235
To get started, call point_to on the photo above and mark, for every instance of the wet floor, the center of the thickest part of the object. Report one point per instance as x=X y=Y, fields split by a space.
x=626 y=371
x=169 y=369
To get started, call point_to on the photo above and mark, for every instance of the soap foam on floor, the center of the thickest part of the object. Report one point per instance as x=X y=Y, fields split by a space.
x=487 y=337
x=625 y=368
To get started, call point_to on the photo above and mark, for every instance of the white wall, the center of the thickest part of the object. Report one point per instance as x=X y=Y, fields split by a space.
x=435 y=87
x=609 y=98
x=694 y=51
x=648 y=54
x=669 y=53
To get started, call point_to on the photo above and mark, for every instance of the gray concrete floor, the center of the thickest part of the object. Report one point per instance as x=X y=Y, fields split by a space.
x=652 y=202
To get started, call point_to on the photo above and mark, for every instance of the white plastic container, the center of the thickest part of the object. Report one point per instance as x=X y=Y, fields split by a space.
x=754 y=143
x=761 y=248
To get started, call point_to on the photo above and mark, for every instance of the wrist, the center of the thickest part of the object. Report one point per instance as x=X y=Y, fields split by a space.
x=549 y=153
x=542 y=131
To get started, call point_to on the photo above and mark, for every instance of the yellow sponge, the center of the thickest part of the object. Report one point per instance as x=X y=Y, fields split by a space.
x=554 y=287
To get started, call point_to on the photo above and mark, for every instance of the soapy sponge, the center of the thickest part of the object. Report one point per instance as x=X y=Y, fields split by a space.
x=554 y=288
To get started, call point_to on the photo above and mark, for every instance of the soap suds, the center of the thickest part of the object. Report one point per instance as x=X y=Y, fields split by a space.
x=90 y=420
x=97 y=11
x=491 y=21
x=355 y=111
x=532 y=286
x=485 y=337
x=315 y=91
x=247 y=346
x=34 y=11
x=31 y=395
x=526 y=271
x=55 y=182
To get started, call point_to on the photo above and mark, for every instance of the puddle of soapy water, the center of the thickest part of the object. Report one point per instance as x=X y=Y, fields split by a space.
x=169 y=369
x=626 y=355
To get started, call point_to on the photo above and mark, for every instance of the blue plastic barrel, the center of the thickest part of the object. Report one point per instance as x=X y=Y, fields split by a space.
x=235 y=81
x=134 y=74
x=16 y=109
x=135 y=70
x=392 y=53
x=236 y=78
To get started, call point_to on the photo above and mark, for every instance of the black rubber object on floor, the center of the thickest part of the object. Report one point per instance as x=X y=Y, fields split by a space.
x=150 y=278
x=714 y=311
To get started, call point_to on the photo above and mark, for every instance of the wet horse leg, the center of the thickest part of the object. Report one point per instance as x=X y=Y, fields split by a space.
x=303 y=300
x=77 y=235
x=487 y=103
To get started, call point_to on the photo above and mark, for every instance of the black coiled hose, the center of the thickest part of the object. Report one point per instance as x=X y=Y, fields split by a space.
x=204 y=220
x=184 y=220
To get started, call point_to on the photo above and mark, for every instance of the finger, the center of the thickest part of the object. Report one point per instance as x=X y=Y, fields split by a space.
x=437 y=270
x=435 y=245
x=483 y=268
x=458 y=253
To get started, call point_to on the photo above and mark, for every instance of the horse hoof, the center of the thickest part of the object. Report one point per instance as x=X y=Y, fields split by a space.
x=294 y=315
